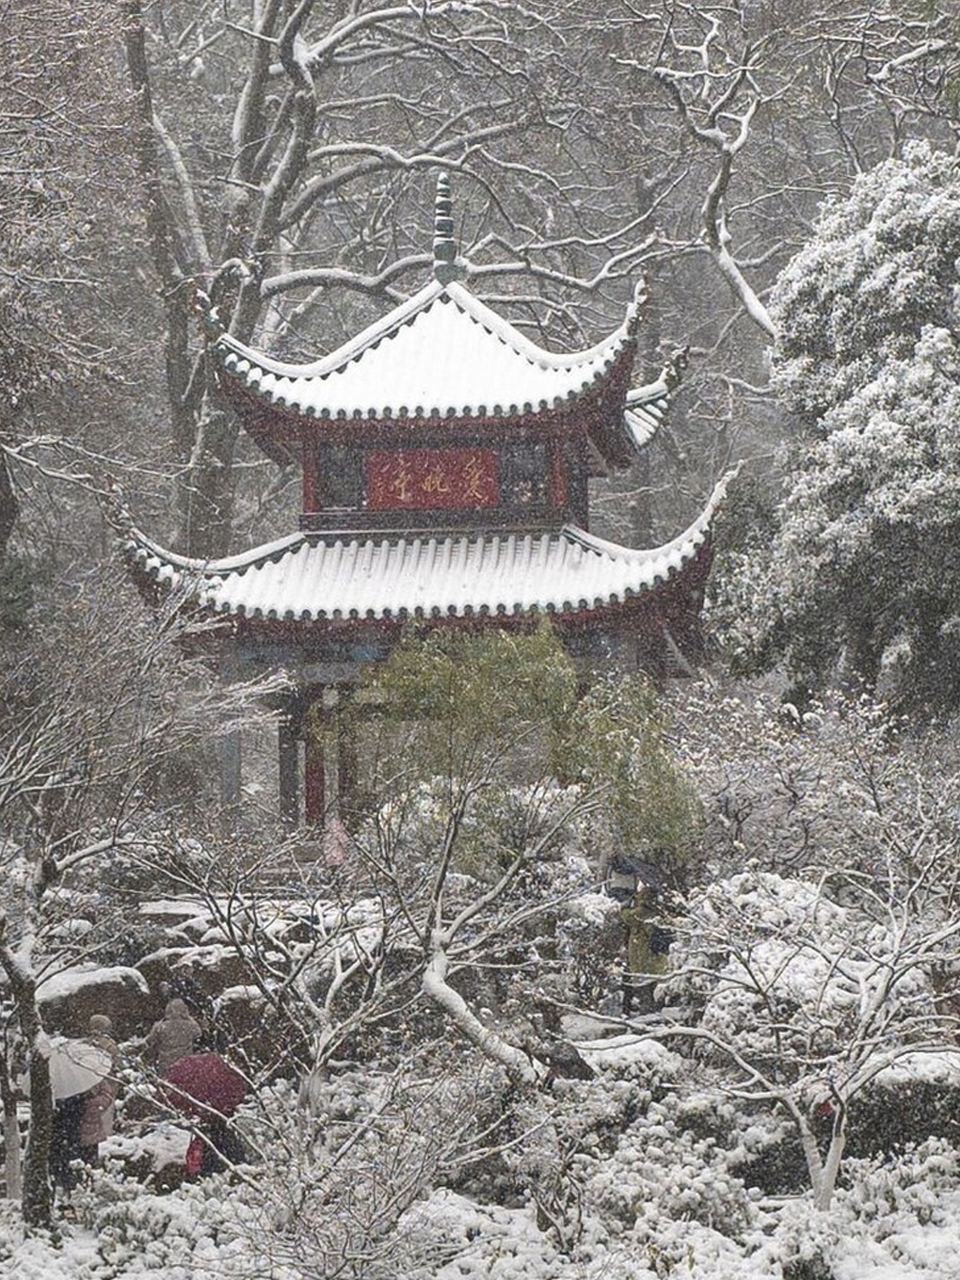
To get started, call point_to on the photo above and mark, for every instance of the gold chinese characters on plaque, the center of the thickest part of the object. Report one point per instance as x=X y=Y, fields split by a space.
x=432 y=479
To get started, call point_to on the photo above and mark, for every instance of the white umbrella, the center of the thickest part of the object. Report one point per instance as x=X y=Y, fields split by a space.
x=75 y=1066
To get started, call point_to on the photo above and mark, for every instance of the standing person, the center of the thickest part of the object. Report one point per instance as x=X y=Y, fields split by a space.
x=174 y=1037
x=65 y=1141
x=96 y=1120
x=207 y=1088
x=647 y=947
x=76 y=1068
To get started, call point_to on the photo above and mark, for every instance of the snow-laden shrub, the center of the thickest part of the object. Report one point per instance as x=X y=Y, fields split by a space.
x=497 y=821
x=197 y=1227
x=882 y=1193
x=778 y=969
x=589 y=934
x=448 y=1237
x=333 y=1182
x=673 y=1164
x=894 y=1215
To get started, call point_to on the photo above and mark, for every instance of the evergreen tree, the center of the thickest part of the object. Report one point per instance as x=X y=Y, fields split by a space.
x=855 y=578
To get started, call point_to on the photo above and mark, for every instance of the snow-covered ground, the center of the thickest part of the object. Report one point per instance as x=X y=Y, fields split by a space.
x=655 y=1200
x=198 y=1233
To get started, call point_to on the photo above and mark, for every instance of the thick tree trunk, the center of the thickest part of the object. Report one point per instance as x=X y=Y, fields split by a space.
x=11 y=1127
x=11 y=1147
x=9 y=507
x=203 y=435
x=173 y=286
x=811 y=1152
x=823 y=1173
x=37 y=1193
x=831 y=1166
x=207 y=487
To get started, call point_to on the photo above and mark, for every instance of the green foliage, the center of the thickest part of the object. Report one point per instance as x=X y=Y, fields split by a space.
x=616 y=744
x=499 y=725
x=468 y=697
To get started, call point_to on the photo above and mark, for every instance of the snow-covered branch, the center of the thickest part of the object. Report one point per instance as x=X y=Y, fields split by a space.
x=518 y=1065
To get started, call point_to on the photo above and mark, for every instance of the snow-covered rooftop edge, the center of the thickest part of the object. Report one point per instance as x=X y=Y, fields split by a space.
x=420 y=301
x=304 y=578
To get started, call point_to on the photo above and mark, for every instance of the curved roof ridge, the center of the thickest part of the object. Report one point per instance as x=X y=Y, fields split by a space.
x=422 y=301
x=349 y=350
x=692 y=537
x=136 y=540
x=508 y=333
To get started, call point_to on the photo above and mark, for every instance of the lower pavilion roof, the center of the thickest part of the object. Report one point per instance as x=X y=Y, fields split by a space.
x=307 y=577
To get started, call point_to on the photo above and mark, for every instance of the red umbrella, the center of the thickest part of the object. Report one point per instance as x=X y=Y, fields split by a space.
x=202 y=1083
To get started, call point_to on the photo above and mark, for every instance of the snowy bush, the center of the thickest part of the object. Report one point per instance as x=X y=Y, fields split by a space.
x=672 y=1164
x=179 y=1233
x=885 y=1191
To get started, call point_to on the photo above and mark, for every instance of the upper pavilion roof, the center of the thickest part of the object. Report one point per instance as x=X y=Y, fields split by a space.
x=442 y=353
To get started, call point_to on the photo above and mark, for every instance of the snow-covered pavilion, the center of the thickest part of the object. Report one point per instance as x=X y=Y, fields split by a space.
x=445 y=461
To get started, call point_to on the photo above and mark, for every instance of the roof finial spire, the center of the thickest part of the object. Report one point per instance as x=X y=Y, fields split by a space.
x=445 y=266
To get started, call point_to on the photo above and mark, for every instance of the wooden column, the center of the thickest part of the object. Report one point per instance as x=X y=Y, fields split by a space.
x=559 y=498
x=288 y=753
x=314 y=770
x=346 y=759
x=229 y=752
x=311 y=478
x=231 y=757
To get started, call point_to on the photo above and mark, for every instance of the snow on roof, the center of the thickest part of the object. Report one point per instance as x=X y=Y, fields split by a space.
x=69 y=981
x=306 y=578
x=443 y=353
x=646 y=407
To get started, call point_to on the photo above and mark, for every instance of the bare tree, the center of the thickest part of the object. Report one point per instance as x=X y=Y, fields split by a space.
x=805 y=1002
x=62 y=203
x=91 y=714
x=747 y=117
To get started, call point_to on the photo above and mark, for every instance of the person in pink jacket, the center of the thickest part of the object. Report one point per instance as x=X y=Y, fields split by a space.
x=96 y=1118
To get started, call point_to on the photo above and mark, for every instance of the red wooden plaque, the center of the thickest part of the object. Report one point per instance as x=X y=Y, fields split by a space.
x=431 y=479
